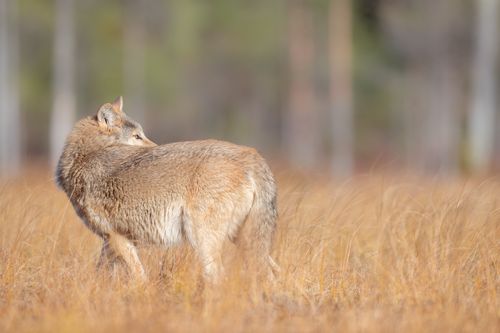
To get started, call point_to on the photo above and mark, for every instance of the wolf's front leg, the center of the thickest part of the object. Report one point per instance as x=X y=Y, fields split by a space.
x=118 y=250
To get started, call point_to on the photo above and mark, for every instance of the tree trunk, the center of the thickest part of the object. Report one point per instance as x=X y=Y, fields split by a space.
x=442 y=90
x=481 y=123
x=439 y=92
x=301 y=128
x=134 y=59
x=426 y=34
x=64 y=103
x=10 y=138
x=340 y=41
x=441 y=134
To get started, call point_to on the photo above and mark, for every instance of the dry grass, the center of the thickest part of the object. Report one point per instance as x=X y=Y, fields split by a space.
x=372 y=254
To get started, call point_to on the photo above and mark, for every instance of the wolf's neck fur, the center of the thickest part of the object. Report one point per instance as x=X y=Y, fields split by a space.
x=84 y=142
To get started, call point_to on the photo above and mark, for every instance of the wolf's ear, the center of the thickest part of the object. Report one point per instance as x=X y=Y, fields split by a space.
x=106 y=116
x=118 y=104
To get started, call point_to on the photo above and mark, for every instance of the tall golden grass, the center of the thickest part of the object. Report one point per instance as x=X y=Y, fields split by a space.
x=375 y=253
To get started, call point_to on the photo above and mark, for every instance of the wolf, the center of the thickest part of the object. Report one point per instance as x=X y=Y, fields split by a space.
x=130 y=191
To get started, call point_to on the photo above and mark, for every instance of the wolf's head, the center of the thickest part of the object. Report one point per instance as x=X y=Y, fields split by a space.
x=119 y=127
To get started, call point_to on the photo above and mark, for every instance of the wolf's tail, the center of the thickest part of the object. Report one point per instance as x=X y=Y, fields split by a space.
x=260 y=226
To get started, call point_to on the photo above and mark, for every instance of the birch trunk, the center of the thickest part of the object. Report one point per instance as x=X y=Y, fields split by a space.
x=481 y=123
x=301 y=130
x=134 y=59
x=10 y=136
x=64 y=103
x=340 y=25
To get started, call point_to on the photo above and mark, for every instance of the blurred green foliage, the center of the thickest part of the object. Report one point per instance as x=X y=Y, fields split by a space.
x=221 y=68
x=203 y=61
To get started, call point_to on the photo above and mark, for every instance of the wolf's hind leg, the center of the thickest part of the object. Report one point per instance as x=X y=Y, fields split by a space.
x=207 y=243
x=209 y=250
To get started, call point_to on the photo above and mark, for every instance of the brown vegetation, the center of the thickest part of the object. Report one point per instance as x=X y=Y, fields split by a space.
x=377 y=253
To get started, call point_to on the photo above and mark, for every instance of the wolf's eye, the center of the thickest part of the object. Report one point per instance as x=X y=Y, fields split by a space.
x=137 y=136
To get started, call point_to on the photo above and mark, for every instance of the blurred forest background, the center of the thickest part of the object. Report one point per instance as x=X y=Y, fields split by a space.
x=332 y=85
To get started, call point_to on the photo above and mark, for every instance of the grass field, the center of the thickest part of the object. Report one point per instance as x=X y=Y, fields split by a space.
x=376 y=254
